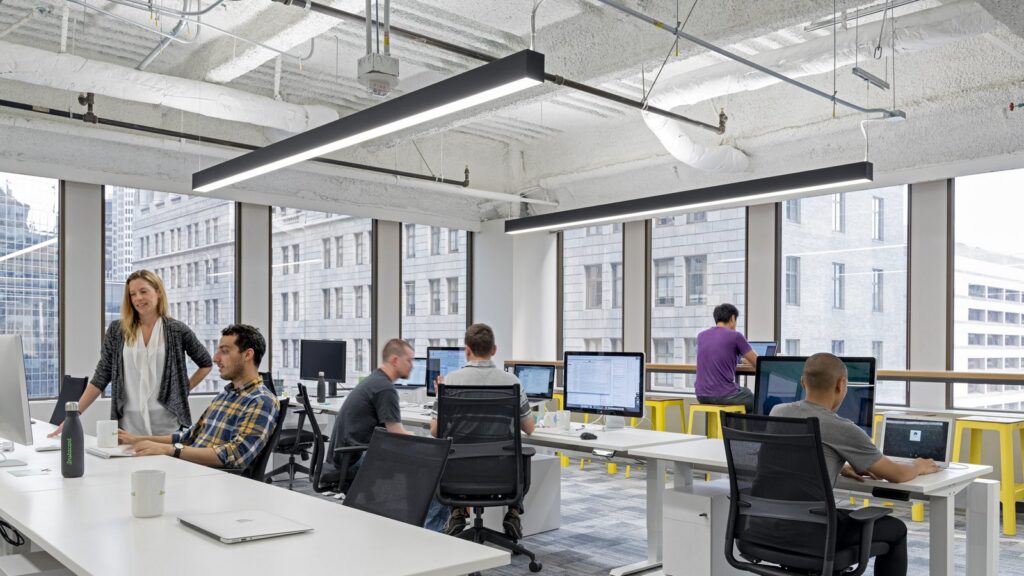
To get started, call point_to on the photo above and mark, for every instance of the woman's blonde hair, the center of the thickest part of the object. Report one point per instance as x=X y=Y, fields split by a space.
x=129 y=316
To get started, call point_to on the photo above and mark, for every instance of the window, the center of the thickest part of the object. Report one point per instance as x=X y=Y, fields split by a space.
x=296 y=357
x=616 y=344
x=975 y=315
x=319 y=235
x=878 y=218
x=793 y=210
x=838 y=285
x=838 y=347
x=592 y=344
x=989 y=264
x=359 y=353
x=30 y=268
x=839 y=212
x=453 y=342
x=595 y=230
x=663 y=353
x=435 y=240
x=696 y=271
x=435 y=297
x=410 y=240
x=793 y=280
x=844 y=277
x=664 y=281
x=453 y=295
x=453 y=240
x=595 y=292
x=792 y=347
x=286 y=357
x=357 y=241
x=876 y=290
x=696 y=217
x=616 y=285
x=442 y=316
x=196 y=281
x=877 y=351
x=665 y=221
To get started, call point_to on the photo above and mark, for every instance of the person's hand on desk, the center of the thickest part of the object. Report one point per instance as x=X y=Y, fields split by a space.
x=124 y=437
x=56 y=432
x=150 y=448
x=849 y=472
x=926 y=466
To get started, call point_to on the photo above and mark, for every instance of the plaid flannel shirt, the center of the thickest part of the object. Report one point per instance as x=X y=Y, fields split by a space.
x=237 y=425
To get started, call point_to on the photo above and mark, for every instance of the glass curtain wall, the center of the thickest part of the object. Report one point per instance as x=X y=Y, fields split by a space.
x=592 y=288
x=434 y=286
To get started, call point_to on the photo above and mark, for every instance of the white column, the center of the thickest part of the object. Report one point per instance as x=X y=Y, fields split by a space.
x=928 y=266
x=81 y=277
x=253 y=237
x=493 y=252
x=634 y=286
x=534 y=296
x=387 y=272
x=761 y=281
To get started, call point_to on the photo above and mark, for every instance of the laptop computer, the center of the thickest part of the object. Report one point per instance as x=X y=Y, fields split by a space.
x=242 y=526
x=119 y=451
x=906 y=437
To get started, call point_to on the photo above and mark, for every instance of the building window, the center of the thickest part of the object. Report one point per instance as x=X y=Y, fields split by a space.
x=358 y=248
x=339 y=303
x=339 y=251
x=696 y=217
x=974 y=339
x=838 y=285
x=792 y=347
x=435 y=297
x=327 y=253
x=995 y=316
x=994 y=363
x=295 y=259
x=995 y=293
x=286 y=356
x=616 y=284
x=975 y=364
x=410 y=298
x=358 y=300
x=877 y=348
x=877 y=218
x=793 y=210
x=296 y=309
x=838 y=347
x=839 y=212
x=326 y=295
x=1012 y=340
x=453 y=240
x=793 y=280
x=1012 y=318
x=359 y=354
x=975 y=315
x=665 y=221
x=976 y=291
x=453 y=295
x=663 y=353
x=696 y=272
x=664 y=281
x=296 y=357
x=592 y=344
x=994 y=340
x=616 y=344
x=594 y=288
x=877 y=289
x=410 y=240
x=1012 y=295
x=595 y=230
x=435 y=240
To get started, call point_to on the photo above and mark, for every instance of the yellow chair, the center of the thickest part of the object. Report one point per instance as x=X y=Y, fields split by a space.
x=875 y=426
x=659 y=407
x=1009 y=490
x=712 y=414
x=561 y=400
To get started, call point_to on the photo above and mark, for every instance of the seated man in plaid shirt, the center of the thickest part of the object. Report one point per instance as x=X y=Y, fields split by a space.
x=238 y=423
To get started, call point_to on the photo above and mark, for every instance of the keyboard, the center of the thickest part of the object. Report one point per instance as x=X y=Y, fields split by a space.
x=49 y=447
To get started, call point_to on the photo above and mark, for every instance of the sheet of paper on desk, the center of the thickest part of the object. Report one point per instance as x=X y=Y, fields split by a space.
x=28 y=472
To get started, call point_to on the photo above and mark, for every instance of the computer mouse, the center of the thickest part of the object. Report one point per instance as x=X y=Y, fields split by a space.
x=588 y=436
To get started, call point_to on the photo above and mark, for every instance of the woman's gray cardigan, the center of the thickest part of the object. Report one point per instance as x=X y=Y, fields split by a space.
x=173 y=395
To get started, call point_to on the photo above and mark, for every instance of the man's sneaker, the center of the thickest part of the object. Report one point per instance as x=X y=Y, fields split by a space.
x=456 y=522
x=513 y=525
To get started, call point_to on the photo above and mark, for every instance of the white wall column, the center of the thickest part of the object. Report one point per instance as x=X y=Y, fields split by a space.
x=254 y=277
x=634 y=286
x=534 y=304
x=387 y=281
x=928 y=264
x=493 y=284
x=81 y=277
x=762 y=228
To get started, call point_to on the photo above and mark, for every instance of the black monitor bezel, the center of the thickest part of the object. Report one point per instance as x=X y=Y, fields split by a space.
x=551 y=381
x=636 y=413
x=871 y=361
x=415 y=384
x=344 y=359
x=431 y=389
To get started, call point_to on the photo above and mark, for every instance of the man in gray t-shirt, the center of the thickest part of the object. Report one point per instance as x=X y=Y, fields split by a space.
x=849 y=451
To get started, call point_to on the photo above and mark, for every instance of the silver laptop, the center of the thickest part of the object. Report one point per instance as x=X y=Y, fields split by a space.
x=242 y=526
x=119 y=451
x=905 y=437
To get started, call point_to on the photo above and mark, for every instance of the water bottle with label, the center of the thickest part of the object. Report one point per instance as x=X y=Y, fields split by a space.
x=72 y=443
x=321 y=389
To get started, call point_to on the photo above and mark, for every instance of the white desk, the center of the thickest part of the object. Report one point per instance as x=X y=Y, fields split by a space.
x=939 y=489
x=87 y=525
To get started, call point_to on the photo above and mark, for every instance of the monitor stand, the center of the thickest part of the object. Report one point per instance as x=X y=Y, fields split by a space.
x=6 y=462
x=609 y=422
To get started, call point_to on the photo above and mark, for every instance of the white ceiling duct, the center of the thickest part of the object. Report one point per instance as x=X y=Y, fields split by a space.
x=672 y=135
x=77 y=74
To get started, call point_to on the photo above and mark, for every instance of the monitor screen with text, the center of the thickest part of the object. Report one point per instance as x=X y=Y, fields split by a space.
x=440 y=361
x=604 y=383
x=538 y=381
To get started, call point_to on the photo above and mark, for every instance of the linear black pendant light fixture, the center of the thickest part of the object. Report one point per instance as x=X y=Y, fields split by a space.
x=488 y=82
x=700 y=199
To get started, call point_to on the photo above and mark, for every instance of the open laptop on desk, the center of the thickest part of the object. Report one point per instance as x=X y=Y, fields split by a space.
x=905 y=437
x=242 y=526
x=762 y=349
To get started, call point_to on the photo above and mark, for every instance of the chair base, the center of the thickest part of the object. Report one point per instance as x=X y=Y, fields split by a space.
x=479 y=534
x=292 y=468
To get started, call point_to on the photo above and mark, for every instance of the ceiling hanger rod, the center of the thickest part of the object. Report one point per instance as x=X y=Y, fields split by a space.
x=476 y=55
x=746 y=62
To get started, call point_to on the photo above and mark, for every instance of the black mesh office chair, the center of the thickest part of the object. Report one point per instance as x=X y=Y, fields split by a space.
x=331 y=474
x=257 y=470
x=488 y=464
x=268 y=381
x=71 y=389
x=398 y=476
x=296 y=442
x=782 y=509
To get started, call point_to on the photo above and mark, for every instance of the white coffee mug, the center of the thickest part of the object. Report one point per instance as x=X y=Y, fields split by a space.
x=148 y=493
x=550 y=419
x=106 y=433
x=564 y=418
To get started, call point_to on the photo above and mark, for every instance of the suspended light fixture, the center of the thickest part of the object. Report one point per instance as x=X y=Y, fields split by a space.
x=700 y=199
x=471 y=88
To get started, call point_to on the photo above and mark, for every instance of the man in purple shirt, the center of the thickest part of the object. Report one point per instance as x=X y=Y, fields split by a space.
x=717 y=351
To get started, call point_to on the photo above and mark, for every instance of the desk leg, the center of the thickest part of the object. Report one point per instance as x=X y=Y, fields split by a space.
x=940 y=536
x=655 y=498
x=983 y=528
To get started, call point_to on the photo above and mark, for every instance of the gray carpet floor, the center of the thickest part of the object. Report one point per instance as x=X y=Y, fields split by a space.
x=603 y=526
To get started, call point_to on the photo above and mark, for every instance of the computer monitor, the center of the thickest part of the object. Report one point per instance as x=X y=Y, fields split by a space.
x=764 y=348
x=777 y=381
x=418 y=375
x=327 y=356
x=538 y=381
x=604 y=383
x=15 y=422
x=440 y=361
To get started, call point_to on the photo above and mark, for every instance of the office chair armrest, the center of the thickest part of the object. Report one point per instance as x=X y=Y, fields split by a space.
x=349 y=449
x=869 y=514
x=867 y=518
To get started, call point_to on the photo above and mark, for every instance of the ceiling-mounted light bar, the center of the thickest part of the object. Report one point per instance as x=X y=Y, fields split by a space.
x=700 y=199
x=870 y=78
x=471 y=88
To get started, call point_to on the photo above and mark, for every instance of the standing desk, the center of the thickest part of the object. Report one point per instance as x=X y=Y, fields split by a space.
x=86 y=524
x=939 y=489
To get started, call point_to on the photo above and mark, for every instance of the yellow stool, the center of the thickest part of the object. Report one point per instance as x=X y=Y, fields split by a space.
x=561 y=400
x=1009 y=490
x=875 y=426
x=658 y=409
x=712 y=414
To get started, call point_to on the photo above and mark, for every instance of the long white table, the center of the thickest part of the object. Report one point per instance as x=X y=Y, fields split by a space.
x=86 y=523
x=938 y=489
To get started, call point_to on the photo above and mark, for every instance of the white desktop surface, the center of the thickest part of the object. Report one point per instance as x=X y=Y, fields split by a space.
x=86 y=523
x=619 y=440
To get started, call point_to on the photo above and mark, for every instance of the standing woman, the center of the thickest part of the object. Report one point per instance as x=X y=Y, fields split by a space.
x=144 y=357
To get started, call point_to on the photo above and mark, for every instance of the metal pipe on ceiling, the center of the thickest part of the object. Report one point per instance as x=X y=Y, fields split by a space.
x=855 y=14
x=746 y=62
x=164 y=42
x=482 y=57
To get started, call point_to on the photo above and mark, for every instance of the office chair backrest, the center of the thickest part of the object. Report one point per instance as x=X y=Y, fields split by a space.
x=482 y=415
x=779 y=484
x=398 y=476
x=71 y=389
x=258 y=469
x=268 y=381
x=318 y=438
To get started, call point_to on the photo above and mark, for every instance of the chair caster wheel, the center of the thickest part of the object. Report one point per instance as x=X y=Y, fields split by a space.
x=535 y=566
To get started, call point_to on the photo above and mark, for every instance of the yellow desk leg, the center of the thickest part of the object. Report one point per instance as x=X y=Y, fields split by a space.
x=1007 y=482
